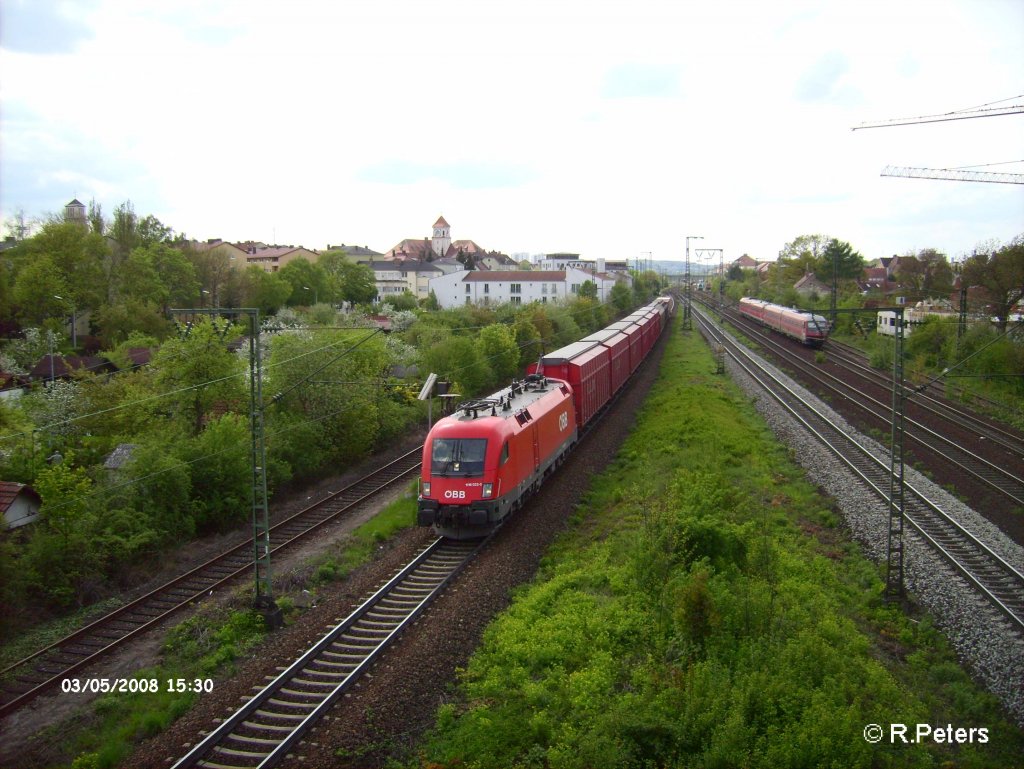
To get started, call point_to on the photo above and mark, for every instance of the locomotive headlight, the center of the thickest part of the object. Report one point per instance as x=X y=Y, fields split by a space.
x=488 y=490
x=426 y=488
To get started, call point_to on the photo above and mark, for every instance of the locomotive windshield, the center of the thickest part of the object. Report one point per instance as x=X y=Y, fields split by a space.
x=458 y=456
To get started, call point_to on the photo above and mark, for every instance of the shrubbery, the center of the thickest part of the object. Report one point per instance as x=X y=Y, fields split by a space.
x=689 y=621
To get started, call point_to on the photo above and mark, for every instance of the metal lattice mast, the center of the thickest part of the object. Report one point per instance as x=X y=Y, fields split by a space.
x=260 y=508
x=688 y=286
x=264 y=598
x=721 y=271
x=894 y=568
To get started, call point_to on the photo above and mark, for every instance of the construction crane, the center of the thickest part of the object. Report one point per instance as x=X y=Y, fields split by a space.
x=964 y=114
x=953 y=174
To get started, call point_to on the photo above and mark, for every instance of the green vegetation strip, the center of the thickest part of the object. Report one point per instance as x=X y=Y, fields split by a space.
x=706 y=610
x=203 y=650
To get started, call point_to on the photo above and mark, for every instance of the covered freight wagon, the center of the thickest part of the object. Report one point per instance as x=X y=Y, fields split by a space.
x=586 y=366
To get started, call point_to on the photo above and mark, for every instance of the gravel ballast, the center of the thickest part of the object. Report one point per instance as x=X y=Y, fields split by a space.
x=985 y=640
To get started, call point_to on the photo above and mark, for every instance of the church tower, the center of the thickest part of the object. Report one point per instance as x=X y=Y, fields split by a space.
x=75 y=212
x=442 y=238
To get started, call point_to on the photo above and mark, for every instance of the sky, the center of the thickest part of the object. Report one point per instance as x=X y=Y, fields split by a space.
x=609 y=129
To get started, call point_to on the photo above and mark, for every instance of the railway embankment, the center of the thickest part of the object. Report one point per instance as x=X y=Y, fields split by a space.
x=709 y=606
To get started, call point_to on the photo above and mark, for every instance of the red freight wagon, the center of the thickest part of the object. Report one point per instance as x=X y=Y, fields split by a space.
x=618 y=346
x=649 y=324
x=635 y=334
x=586 y=367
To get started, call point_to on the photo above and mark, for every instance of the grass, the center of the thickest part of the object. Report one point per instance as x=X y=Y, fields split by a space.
x=43 y=635
x=358 y=548
x=706 y=609
x=202 y=647
x=207 y=646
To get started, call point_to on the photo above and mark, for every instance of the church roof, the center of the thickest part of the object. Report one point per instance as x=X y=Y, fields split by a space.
x=441 y=222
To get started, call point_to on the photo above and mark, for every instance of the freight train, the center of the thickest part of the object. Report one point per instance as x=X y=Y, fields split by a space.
x=806 y=327
x=481 y=463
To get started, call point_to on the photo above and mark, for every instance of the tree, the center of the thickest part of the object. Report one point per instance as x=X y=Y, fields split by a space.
x=838 y=259
x=62 y=555
x=529 y=342
x=95 y=217
x=799 y=257
x=220 y=473
x=78 y=254
x=348 y=281
x=36 y=289
x=198 y=372
x=500 y=350
x=460 y=361
x=621 y=298
x=214 y=272
x=265 y=290
x=1001 y=274
x=938 y=275
x=331 y=380
x=588 y=290
x=151 y=231
x=116 y=322
x=308 y=281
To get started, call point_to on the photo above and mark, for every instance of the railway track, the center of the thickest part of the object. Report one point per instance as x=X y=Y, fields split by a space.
x=998 y=581
x=999 y=473
x=46 y=668
x=932 y=400
x=263 y=731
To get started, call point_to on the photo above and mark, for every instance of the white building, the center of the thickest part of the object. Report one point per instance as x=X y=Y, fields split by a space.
x=485 y=287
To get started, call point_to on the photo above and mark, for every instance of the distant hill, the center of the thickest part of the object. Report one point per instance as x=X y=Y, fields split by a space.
x=678 y=267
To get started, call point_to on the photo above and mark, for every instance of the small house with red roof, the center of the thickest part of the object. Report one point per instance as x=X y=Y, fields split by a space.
x=19 y=504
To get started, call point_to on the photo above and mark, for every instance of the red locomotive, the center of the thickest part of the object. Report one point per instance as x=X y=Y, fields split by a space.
x=806 y=327
x=482 y=462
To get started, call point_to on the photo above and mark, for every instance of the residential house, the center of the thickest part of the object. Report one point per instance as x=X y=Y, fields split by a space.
x=745 y=262
x=234 y=253
x=389 y=279
x=809 y=285
x=359 y=254
x=563 y=261
x=273 y=258
x=874 y=279
x=58 y=366
x=484 y=287
x=496 y=262
x=417 y=275
x=19 y=504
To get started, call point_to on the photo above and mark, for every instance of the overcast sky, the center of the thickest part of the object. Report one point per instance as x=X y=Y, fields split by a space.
x=611 y=129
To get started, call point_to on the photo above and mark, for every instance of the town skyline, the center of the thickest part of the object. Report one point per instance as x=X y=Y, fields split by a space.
x=610 y=130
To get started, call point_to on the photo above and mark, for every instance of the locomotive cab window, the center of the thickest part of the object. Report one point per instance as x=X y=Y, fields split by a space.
x=504 y=453
x=463 y=457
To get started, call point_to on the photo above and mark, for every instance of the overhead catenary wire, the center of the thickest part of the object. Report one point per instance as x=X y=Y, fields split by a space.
x=99 y=491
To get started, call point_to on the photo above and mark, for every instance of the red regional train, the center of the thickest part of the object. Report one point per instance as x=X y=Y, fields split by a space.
x=481 y=463
x=805 y=327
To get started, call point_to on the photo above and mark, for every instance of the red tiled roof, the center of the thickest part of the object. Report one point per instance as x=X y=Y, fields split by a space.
x=441 y=222
x=9 y=491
